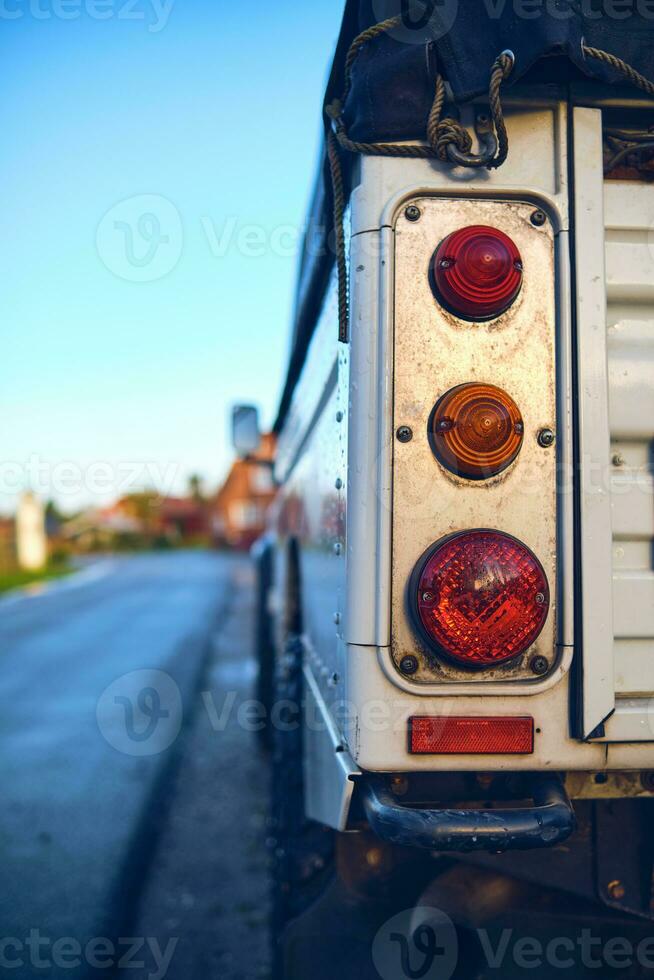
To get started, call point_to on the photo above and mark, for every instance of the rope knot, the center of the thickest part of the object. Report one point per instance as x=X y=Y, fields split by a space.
x=450 y=131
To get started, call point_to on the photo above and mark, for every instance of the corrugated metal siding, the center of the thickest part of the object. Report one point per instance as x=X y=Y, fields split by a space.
x=629 y=238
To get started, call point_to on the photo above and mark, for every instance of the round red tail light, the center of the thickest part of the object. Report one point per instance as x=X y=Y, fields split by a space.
x=480 y=597
x=477 y=272
x=476 y=430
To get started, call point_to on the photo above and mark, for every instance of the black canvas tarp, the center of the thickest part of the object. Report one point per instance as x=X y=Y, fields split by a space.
x=393 y=76
x=393 y=80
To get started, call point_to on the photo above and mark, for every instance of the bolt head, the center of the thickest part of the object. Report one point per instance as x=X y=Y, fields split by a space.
x=399 y=785
x=539 y=665
x=538 y=218
x=412 y=213
x=404 y=434
x=546 y=438
x=338 y=483
x=616 y=890
x=409 y=665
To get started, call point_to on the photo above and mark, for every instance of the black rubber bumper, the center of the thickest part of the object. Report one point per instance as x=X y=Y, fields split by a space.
x=548 y=822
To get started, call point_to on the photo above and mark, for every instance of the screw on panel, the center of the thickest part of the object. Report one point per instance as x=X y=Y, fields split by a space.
x=546 y=438
x=338 y=548
x=339 y=416
x=339 y=483
x=404 y=434
x=373 y=857
x=337 y=618
x=538 y=218
x=409 y=665
x=616 y=890
x=412 y=213
x=399 y=785
x=539 y=664
x=618 y=459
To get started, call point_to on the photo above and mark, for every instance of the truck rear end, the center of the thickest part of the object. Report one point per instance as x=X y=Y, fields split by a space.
x=459 y=576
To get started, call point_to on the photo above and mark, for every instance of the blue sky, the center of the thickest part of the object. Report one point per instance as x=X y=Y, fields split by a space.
x=179 y=108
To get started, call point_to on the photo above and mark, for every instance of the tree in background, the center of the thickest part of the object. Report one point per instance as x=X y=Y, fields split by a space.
x=196 y=487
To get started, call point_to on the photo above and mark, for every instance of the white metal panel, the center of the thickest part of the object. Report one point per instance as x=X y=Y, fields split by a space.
x=629 y=220
x=369 y=442
x=377 y=697
x=545 y=173
x=592 y=401
x=377 y=724
x=328 y=767
x=616 y=390
x=382 y=183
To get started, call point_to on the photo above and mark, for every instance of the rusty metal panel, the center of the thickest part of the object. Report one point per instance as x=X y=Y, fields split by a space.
x=434 y=351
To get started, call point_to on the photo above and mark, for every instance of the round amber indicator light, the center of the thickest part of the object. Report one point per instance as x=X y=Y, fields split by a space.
x=477 y=272
x=476 y=430
x=480 y=597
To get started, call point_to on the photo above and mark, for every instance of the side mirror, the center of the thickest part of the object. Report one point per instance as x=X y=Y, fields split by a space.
x=246 y=434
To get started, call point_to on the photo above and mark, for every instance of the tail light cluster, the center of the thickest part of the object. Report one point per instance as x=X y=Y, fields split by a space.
x=479 y=598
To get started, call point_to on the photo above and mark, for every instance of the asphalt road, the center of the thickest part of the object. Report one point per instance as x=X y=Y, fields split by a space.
x=208 y=885
x=100 y=673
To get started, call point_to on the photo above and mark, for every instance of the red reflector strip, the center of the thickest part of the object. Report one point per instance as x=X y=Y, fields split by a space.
x=478 y=736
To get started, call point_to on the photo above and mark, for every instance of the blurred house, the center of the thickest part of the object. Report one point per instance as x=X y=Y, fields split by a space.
x=184 y=517
x=100 y=529
x=241 y=505
x=141 y=520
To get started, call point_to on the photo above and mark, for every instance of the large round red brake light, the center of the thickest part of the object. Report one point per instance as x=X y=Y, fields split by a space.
x=481 y=597
x=477 y=272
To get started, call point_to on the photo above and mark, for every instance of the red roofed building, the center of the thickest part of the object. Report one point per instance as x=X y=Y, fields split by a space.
x=241 y=505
